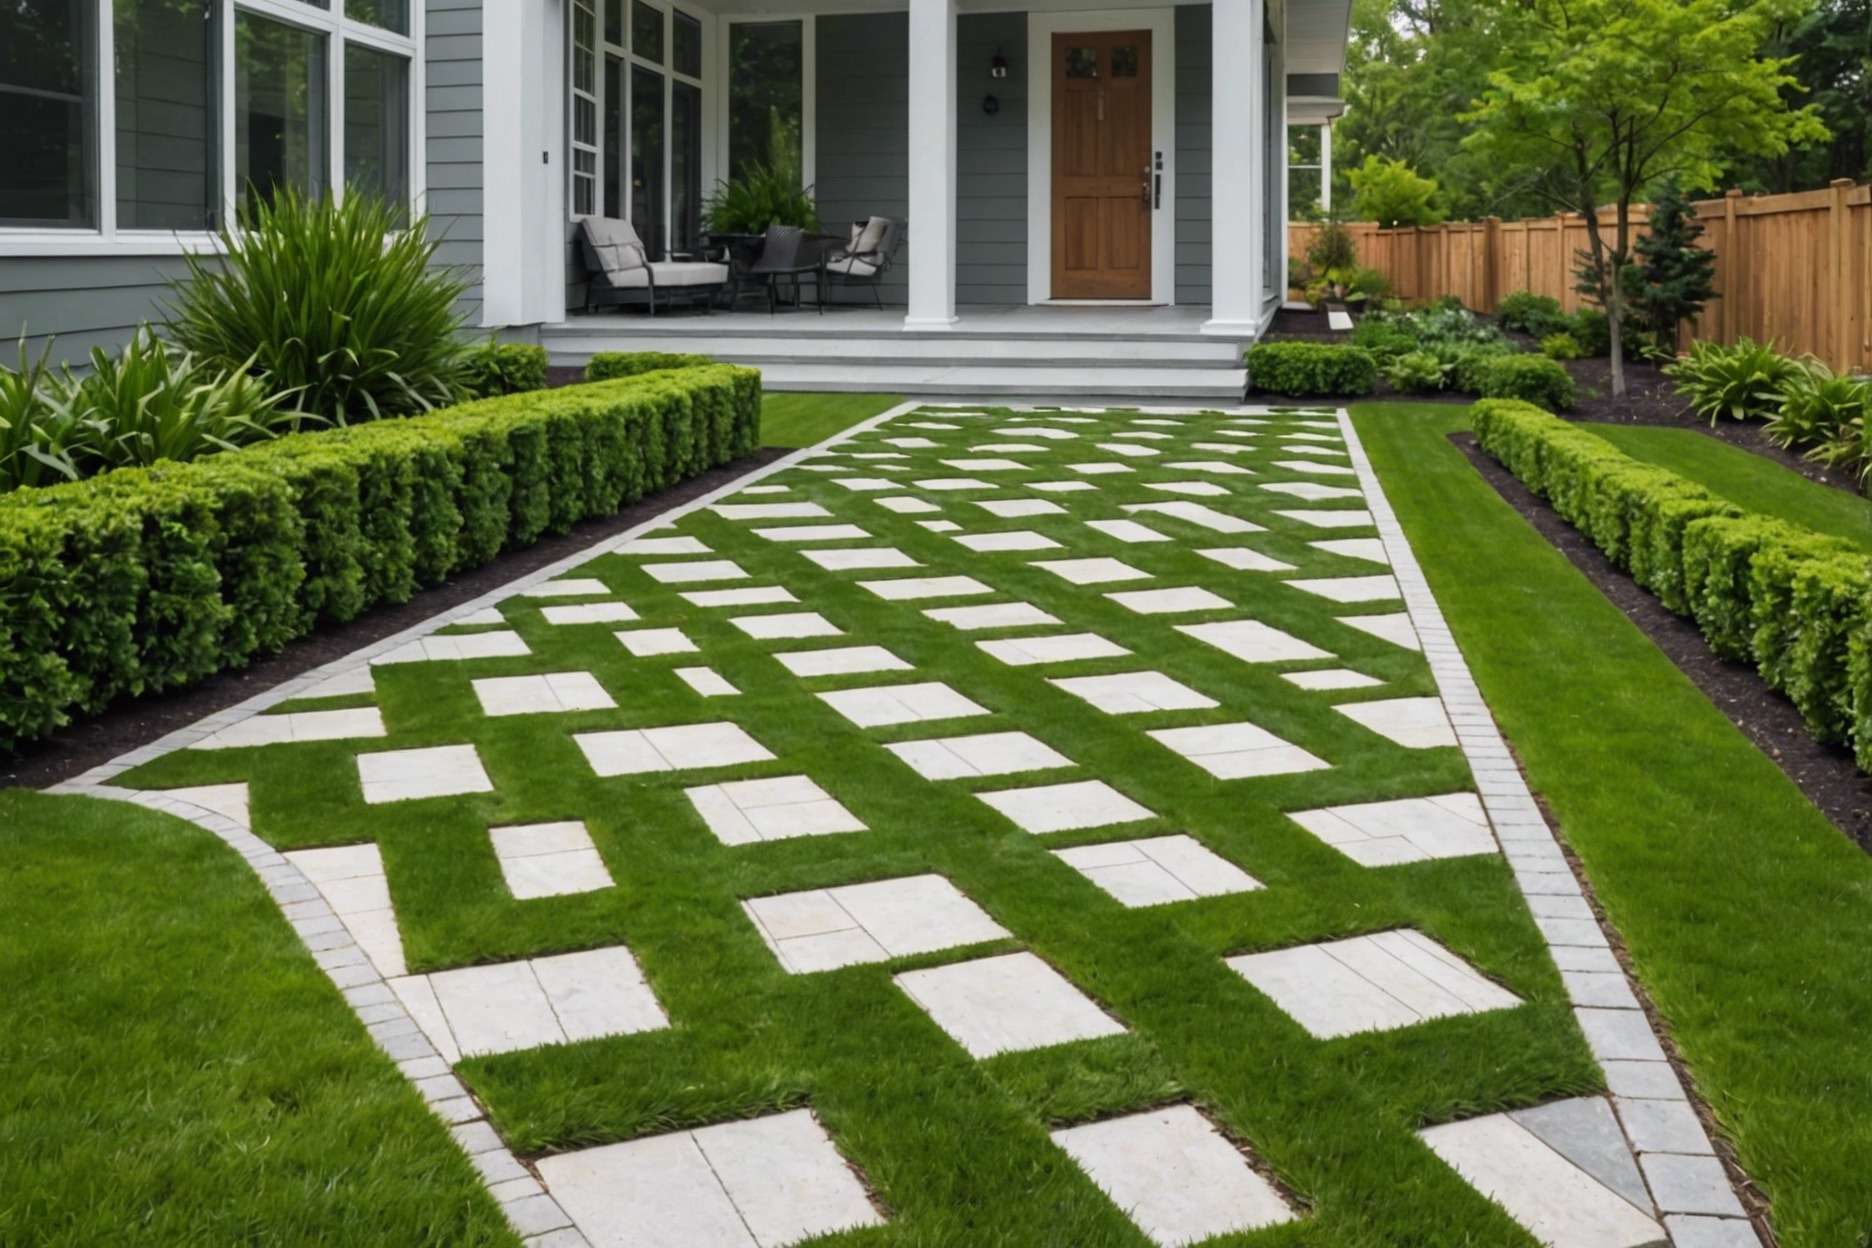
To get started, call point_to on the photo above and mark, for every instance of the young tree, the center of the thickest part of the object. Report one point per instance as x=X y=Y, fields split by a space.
x=1675 y=276
x=1390 y=193
x=1603 y=98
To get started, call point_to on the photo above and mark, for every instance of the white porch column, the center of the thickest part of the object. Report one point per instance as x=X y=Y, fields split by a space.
x=932 y=164
x=1238 y=199
x=1326 y=165
x=523 y=202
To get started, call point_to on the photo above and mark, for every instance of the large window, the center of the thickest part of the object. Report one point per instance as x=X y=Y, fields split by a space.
x=635 y=127
x=159 y=116
x=48 y=106
x=766 y=97
x=1308 y=195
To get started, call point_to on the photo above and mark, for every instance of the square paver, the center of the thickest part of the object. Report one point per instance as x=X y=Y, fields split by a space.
x=1199 y=514
x=552 y=693
x=1129 y=451
x=940 y=526
x=814 y=533
x=1065 y=807
x=1134 y=693
x=841 y=661
x=432 y=771
x=992 y=615
x=688 y=572
x=1412 y=829
x=1174 y=1175
x=1066 y=648
x=1351 y=588
x=858 y=558
x=647 y=643
x=1170 y=601
x=1312 y=491
x=571 y=587
x=504 y=644
x=1019 y=539
x=1091 y=571
x=1243 y=559
x=983 y=754
x=1157 y=870
x=1395 y=628
x=684 y=747
x=1128 y=531
x=549 y=860
x=662 y=546
x=878 y=706
x=823 y=929
x=1370 y=983
x=1331 y=678
x=1013 y=508
x=1237 y=751
x=1189 y=489
x=1251 y=641
x=1342 y=518
x=1371 y=549
x=1060 y=487
x=756 y=1183
x=748 y=596
x=769 y=511
x=1006 y=1004
x=511 y=1006
x=951 y=484
x=915 y=588
x=908 y=505
x=589 y=613
x=706 y=681
x=1415 y=723
x=1220 y=467
x=786 y=625
x=298 y=726
x=742 y=812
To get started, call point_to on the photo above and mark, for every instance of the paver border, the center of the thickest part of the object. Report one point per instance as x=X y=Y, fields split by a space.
x=1519 y=826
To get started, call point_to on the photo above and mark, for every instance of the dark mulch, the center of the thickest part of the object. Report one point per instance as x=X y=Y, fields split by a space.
x=133 y=722
x=1303 y=323
x=1826 y=775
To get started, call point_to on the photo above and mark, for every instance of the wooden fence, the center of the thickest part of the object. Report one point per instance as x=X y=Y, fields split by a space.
x=1792 y=269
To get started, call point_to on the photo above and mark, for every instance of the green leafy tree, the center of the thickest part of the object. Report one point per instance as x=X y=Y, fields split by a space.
x=1675 y=276
x=1831 y=47
x=1391 y=193
x=1600 y=99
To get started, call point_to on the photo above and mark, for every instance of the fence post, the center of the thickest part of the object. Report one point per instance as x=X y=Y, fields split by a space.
x=1732 y=266
x=1843 y=276
x=1491 y=265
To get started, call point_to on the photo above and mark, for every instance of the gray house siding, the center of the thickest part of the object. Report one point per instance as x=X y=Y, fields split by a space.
x=1194 y=67
x=80 y=301
x=991 y=161
x=861 y=153
x=452 y=63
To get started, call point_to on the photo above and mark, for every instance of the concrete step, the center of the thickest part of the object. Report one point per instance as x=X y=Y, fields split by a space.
x=571 y=346
x=1207 y=384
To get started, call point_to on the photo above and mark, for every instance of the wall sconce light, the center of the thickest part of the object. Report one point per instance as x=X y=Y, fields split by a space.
x=998 y=67
x=990 y=105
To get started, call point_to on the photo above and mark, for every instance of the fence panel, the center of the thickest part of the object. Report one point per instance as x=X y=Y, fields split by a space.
x=1795 y=269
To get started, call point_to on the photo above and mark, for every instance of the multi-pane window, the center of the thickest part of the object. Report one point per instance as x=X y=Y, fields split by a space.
x=766 y=96
x=122 y=116
x=643 y=158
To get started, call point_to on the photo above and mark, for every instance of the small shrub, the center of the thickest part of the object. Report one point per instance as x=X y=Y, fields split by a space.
x=1382 y=336
x=1391 y=193
x=494 y=368
x=1467 y=360
x=1527 y=313
x=1819 y=408
x=609 y=365
x=339 y=304
x=1311 y=368
x=1741 y=382
x=1531 y=378
x=1333 y=247
x=1561 y=347
x=1417 y=372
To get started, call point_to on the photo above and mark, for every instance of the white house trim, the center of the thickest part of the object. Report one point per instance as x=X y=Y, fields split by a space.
x=523 y=213
x=1041 y=27
x=715 y=78
x=1238 y=191
x=932 y=182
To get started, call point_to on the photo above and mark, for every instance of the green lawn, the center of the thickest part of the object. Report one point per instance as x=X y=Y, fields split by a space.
x=957 y=1148
x=178 y=1070
x=794 y=419
x=1746 y=479
x=1748 y=915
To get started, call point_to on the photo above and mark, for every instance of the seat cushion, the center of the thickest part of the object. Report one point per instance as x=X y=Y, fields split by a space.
x=851 y=266
x=689 y=273
x=870 y=237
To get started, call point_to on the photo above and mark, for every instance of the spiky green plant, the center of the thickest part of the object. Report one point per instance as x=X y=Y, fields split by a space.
x=42 y=438
x=1816 y=403
x=338 y=303
x=1742 y=382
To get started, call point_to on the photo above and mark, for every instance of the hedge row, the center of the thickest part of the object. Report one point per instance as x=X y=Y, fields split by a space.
x=149 y=579
x=1795 y=603
x=1307 y=368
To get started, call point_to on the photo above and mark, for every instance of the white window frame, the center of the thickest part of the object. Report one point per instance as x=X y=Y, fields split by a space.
x=107 y=239
x=809 y=77
x=626 y=52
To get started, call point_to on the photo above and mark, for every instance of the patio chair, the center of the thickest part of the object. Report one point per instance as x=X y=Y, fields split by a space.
x=619 y=270
x=788 y=253
x=867 y=257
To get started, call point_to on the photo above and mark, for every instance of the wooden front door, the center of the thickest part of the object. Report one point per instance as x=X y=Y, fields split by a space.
x=1102 y=165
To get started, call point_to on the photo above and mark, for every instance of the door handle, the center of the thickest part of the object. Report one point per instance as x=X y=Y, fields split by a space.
x=1144 y=189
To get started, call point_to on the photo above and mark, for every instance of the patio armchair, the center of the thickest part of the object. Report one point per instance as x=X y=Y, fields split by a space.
x=619 y=271
x=867 y=257
x=788 y=253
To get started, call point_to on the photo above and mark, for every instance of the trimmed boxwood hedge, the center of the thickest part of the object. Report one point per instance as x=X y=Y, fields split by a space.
x=1309 y=368
x=1795 y=603
x=148 y=579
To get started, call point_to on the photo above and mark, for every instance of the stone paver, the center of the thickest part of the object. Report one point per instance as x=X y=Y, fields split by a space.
x=1412 y=829
x=1066 y=648
x=551 y=693
x=1134 y=693
x=786 y=625
x=742 y=812
x=1415 y=723
x=647 y=643
x=1251 y=641
x=1243 y=559
x=798 y=533
x=1173 y=601
x=879 y=706
x=1157 y=870
x=1129 y=531
x=351 y=880
x=1065 y=807
x=298 y=726
x=685 y=747
x=981 y=754
x=840 y=661
x=706 y=681
x=1237 y=751
x=1018 y=539
x=823 y=929
x=1199 y=514
x=432 y=771
x=1351 y=588
x=751 y=596
x=509 y=1006
x=688 y=572
x=1395 y=628
x=993 y=615
x=860 y=558
x=1005 y=1004
x=589 y=613
x=915 y=588
x=1370 y=983
x=1174 y=1175
x=548 y=859
x=1091 y=571
x=1331 y=678
x=758 y=1183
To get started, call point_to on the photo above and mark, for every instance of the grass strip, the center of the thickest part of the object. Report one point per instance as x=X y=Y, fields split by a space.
x=794 y=419
x=1746 y=914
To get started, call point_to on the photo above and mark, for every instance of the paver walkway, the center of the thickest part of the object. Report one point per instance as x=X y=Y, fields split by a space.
x=997 y=826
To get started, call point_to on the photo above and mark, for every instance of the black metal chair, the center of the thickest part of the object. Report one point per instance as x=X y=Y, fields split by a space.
x=790 y=254
x=619 y=271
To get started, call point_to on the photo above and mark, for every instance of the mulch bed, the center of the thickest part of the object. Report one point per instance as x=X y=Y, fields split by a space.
x=1826 y=775
x=133 y=722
